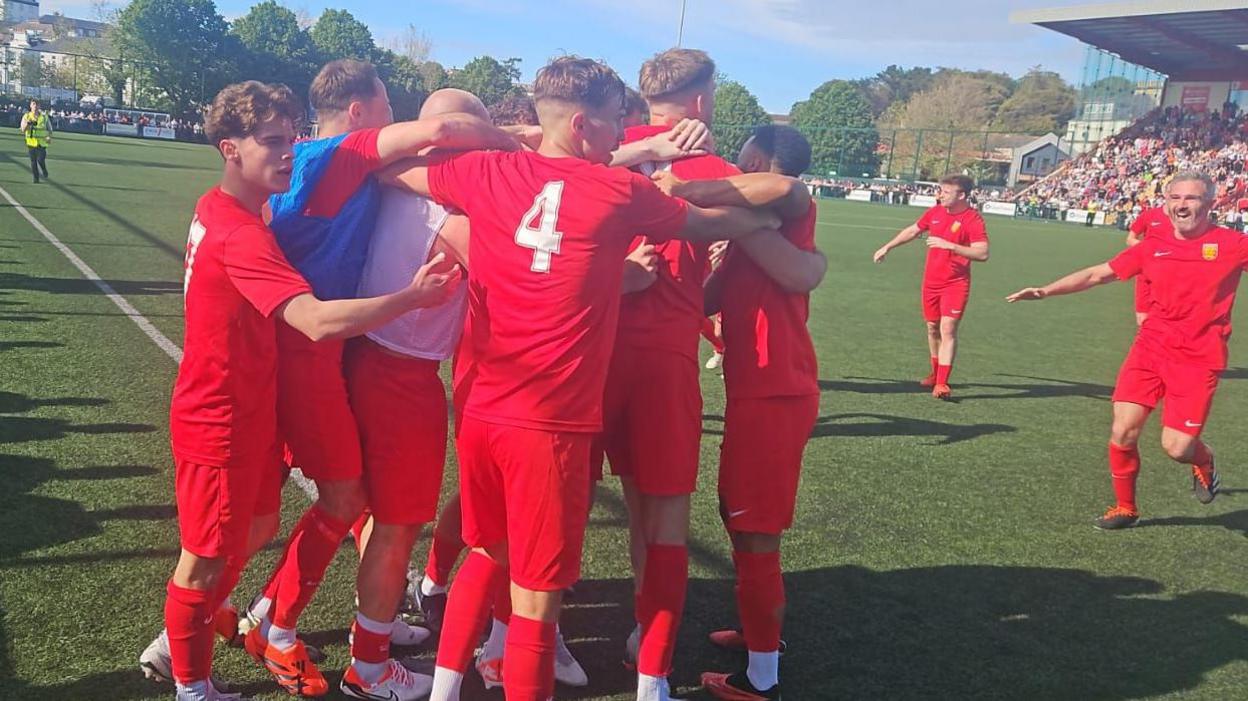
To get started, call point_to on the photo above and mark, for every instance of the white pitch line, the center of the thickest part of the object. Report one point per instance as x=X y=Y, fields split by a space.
x=162 y=341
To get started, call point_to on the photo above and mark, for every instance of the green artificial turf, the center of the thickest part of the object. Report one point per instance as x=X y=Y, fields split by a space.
x=941 y=550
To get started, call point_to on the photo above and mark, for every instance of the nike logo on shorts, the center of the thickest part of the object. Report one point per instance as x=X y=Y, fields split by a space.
x=734 y=514
x=1191 y=424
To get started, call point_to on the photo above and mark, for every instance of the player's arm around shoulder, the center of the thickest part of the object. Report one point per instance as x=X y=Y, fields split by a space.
x=787 y=196
x=795 y=270
x=343 y=318
x=454 y=131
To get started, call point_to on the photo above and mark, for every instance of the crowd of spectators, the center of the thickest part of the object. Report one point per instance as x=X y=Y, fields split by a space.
x=893 y=192
x=93 y=120
x=1126 y=173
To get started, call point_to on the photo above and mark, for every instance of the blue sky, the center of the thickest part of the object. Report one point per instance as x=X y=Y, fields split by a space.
x=780 y=49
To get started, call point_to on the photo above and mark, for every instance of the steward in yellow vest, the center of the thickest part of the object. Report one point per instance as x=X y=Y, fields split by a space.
x=37 y=130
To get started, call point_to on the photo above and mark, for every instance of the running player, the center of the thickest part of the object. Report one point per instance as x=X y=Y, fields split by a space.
x=323 y=225
x=771 y=382
x=550 y=230
x=222 y=418
x=1151 y=222
x=1179 y=351
x=956 y=237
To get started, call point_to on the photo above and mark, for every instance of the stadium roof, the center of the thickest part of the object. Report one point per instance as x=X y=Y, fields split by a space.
x=1188 y=40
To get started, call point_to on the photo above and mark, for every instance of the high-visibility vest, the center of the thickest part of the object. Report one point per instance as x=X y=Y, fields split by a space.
x=37 y=132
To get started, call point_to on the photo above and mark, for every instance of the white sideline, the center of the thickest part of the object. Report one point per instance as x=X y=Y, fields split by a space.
x=162 y=341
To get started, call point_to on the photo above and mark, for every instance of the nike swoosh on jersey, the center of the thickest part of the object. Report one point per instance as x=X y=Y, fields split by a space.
x=1158 y=254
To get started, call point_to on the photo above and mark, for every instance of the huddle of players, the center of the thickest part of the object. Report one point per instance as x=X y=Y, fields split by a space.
x=1187 y=272
x=369 y=232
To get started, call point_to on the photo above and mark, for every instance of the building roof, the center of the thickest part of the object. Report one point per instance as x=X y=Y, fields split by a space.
x=1188 y=40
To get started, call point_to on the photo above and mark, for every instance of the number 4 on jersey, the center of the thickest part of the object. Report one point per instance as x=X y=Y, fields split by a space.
x=543 y=238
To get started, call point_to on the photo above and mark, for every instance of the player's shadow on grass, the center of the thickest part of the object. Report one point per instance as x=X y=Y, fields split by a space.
x=957 y=631
x=869 y=425
x=78 y=286
x=132 y=165
x=1042 y=388
x=22 y=319
x=18 y=345
x=1232 y=520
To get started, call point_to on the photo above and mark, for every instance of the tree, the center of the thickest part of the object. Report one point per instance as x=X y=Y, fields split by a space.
x=1041 y=103
x=412 y=44
x=278 y=48
x=894 y=84
x=487 y=78
x=184 y=47
x=836 y=118
x=338 y=34
x=737 y=112
x=943 y=127
x=432 y=76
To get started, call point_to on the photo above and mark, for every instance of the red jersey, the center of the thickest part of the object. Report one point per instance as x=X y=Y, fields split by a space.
x=964 y=228
x=224 y=400
x=1152 y=222
x=1193 y=291
x=549 y=236
x=668 y=314
x=768 y=351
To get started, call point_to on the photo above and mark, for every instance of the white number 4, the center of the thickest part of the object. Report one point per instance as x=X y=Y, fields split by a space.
x=543 y=238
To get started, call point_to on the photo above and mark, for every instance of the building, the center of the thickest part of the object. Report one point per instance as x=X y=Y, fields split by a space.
x=18 y=10
x=1150 y=54
x=1036 y=159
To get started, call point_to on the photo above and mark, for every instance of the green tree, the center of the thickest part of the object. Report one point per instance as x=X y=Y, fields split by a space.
x=894 y=84
x=432 y=76
x=487 y=78
x=837 y=120
x=184 y=47
x=278 y=48
x=338 y=34
x=1041 y=103
x=737 y=112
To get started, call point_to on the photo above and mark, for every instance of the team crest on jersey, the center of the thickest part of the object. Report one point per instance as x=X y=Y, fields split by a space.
x=956 y=225
x=1209 y=251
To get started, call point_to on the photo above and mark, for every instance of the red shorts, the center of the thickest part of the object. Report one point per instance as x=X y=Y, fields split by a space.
x=1142 y=286
x=760 y=461
x=652 y=420
x=529 y=488
x=217 y=504
x=948 y=300
x=400 y=404
x=313 y=412
x=1185 y=390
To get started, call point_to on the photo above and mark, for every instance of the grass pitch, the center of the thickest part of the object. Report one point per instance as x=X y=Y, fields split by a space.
x=941 y=550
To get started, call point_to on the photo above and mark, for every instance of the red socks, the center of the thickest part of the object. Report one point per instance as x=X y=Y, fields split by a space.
x=357 y=529
x=466 y=609
x=942 y=374
x=188 y=619
x=312 y=546
x=760 y=599
x=529 y=661
x=442 y=556
x=935 y=364
x=1124 y=467
x=662 y=605
x=708 y=332
x=369 y=646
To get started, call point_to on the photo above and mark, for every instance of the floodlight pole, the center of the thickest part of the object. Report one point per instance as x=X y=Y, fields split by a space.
x=680 y=32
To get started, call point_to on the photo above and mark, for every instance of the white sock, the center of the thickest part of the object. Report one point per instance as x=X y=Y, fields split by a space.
x=764 y=669
x=260 y=609
x=227 y=604
x=194 y=691
x=370 y=672
x=281 y=638
x=372 y=626
x=652 y=688
x=428 y=587
x=497 y=641
x=446 y=684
